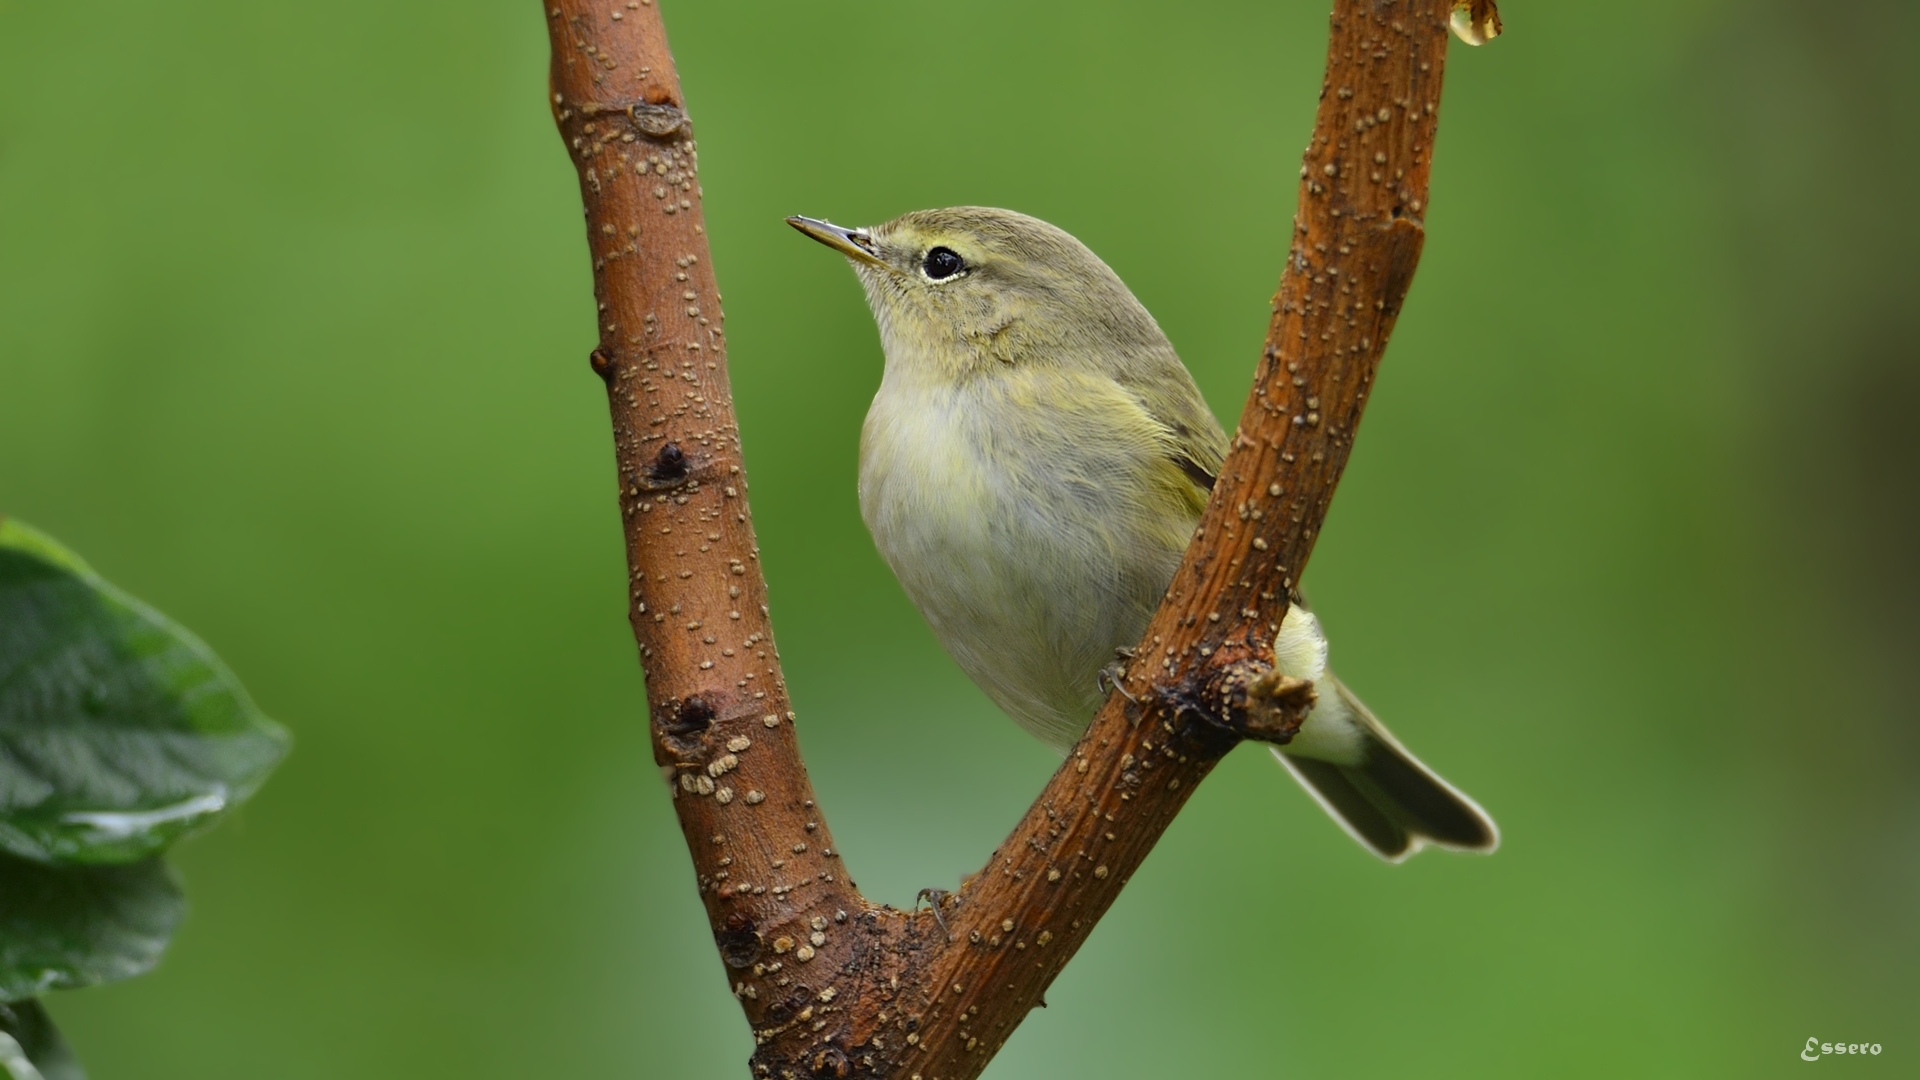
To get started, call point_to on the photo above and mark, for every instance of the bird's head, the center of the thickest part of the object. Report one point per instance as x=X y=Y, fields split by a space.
x=967 y=286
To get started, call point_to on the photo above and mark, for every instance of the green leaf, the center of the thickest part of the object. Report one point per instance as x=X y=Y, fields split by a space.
x=36 y=1044
x=120 y=731
x=68 y=926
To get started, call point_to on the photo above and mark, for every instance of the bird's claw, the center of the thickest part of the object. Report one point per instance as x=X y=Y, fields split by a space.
x=1113 y=677
x=934 y=898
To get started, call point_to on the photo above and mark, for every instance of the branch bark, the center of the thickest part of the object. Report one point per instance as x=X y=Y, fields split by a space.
x=835 y=986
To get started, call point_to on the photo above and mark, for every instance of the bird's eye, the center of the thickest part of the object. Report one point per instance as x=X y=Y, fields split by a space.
x=942 y=263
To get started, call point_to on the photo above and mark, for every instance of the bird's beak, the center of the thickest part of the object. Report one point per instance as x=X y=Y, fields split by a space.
x=853 y=243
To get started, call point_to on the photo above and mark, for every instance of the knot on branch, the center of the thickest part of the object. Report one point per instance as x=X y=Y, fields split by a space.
x=671 y=466
x=684 y=726
x=701 y=732
x=656 y=120
x=738 y=940
x=1255 y=700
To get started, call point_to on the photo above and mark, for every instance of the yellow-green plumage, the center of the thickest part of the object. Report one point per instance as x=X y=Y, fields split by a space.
x=1032 y=469
x=1028 y=500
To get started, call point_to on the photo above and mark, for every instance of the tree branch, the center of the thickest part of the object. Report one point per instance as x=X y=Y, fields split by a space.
x=833 y=985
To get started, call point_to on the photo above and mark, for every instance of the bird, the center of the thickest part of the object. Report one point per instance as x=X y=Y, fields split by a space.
x=1032 y=468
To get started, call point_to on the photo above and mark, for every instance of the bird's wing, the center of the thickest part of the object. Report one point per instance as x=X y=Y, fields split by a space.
x=1194 y=441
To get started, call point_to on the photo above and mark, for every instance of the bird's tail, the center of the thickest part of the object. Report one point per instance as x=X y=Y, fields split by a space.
x=1374 y=788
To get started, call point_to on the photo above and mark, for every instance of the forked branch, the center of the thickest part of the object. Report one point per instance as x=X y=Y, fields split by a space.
x=833 y=985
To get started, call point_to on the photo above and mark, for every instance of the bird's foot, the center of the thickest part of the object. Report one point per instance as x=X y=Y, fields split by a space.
x=1114 y=675
x=934 y=898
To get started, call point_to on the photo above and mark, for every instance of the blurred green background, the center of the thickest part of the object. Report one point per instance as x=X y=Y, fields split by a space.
x=294 y=315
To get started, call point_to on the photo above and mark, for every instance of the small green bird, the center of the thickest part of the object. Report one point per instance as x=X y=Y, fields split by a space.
x=1032 y=468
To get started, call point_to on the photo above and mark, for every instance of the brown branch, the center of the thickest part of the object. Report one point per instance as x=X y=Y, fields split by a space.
x=833 y=985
